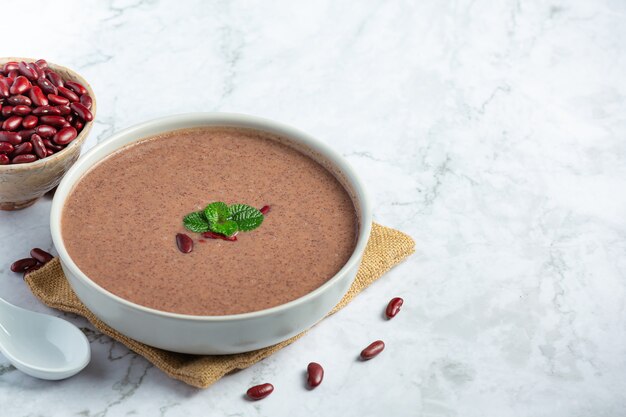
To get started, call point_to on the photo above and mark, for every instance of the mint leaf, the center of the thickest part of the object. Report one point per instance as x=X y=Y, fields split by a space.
x=196 y=222
x=226 y=227
x=217 y=212
x=247 y=217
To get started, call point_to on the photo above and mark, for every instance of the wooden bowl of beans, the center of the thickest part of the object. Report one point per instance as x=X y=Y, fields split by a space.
x=46 y=113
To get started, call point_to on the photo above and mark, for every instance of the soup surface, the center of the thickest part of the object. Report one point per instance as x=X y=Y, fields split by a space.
x=120 y=222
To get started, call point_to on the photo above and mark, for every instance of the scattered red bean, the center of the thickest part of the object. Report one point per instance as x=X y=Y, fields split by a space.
x=315 y=374
x=393 y=307
x=184 y=243
x=264 y=210
x=41 y=255
x=23 y=264
x=258 y=392
x=212 y=235
x=372 y=350
x=31 y=269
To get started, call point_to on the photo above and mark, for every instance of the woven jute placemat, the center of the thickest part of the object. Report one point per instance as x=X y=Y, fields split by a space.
x=385 y=248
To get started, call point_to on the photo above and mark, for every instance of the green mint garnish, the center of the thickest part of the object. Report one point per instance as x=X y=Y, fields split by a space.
x=247 y=217
x=219 y=218
x=196 y=222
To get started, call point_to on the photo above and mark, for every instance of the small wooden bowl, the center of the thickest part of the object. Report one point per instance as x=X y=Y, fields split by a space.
x=23 y=184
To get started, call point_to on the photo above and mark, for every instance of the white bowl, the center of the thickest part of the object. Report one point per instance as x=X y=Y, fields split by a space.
x=213 y=334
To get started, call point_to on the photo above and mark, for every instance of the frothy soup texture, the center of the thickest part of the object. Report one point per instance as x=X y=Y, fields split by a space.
x=120 y=221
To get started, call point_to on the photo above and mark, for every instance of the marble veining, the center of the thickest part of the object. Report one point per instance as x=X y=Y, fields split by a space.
x=492 y=132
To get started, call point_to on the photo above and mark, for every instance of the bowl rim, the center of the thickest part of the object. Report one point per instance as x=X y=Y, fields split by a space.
x=364 y=209
x=80 y=139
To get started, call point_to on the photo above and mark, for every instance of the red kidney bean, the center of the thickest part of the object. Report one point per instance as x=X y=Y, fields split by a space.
x=21 y=110
x=22 y=148
x=65 y=136
x=18 y=100
x=6 y=147
x=76 y=87
x=38 y=146
x=56 y=121
x=13 y=138
x=258 y=392
x=184 y=243
x=78 y=124
x=64 y=110
x=58 y=100
x=264 y=210
x=42 y=63
x=52 y=146
x=7 y=111
x=20 y=85
x=29 y=121
x=393 y=307
x=5 y=87
x=24 y=158
x=26 y=133
x=49 y=152
x=13 y=74
x=315 y=374
x=43 y=110
x=46 y=86
x=22 y=265
x=45 y=131
x=212 y=235
x=38 y=97
x=54 y=78
x=38 y=70
x=31 y=269
x=27 y=70
x=86 y=101
x=82 y=111
x=372 y=350
x=12 y=123
x=4 y=160
x=11 y=66
x=68 y=94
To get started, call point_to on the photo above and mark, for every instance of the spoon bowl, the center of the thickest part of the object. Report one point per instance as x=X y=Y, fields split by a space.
x=40 y=345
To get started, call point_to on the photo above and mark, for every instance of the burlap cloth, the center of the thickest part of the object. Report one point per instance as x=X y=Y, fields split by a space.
x=385 y=249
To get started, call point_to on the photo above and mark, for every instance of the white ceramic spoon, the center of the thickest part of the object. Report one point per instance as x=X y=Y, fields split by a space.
x=40 y=345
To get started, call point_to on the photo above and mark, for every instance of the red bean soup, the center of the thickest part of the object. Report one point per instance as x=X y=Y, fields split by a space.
x=120 y=222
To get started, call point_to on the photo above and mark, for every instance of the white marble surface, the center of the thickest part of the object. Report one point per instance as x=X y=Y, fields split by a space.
x=494 y=132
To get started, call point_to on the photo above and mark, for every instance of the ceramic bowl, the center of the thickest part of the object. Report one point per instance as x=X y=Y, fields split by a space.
x=22 y=184
x=213 y=334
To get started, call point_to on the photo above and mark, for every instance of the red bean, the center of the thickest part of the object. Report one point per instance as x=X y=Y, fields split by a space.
x=22 y=265
x=20 y=85
x=18 y=100
x=315 y=374
x=22 y=148
x=78 y=123
x=31 y=269
x=54 y=78
x=13 y=74
x=49 y=152
x=264 y=210
x=42 y=63
x=82 y=111
x=27 y=71
x=38 y=146
x=46 y=86
x=64 y=110
x=38 y=97
x=212 y=235
x=65 y=136
x=37 y=70
x=56 y=121
x=29 y=121
x=52 y=146
x=258 y=392
x=12 y=123
x=58 y=100
x=4 y=160
x=45 y=131
x=184 y=243
x=43 y=110
x=372 y=350
x=24 y=158
x=26 y=133
x=6 y=147
x=86 y=101
x=68 y=94
x=393 y=307
x=11 y=66
x=76 y=87
x=13 y=138
x=7 y=111
x=21 y=110
x=5 y=87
